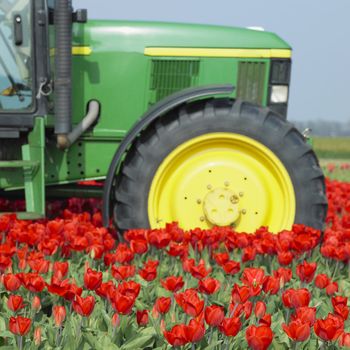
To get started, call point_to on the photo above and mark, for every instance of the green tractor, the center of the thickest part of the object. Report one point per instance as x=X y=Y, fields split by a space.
x=182 y=122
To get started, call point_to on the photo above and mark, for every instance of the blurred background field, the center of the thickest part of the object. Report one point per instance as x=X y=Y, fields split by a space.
x=334 y=156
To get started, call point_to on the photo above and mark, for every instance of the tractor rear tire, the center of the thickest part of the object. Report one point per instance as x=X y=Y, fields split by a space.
x=250 y=123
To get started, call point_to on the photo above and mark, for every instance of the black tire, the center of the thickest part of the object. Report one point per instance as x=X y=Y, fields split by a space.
x=218 y=115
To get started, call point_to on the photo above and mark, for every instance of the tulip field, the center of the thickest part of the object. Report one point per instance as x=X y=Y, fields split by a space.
x=68 y=283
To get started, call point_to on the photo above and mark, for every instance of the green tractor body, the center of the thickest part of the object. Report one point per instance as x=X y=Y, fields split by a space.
x=129 y=69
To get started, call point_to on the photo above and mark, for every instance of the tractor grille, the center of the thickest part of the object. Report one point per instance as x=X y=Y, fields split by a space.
x=251 y=81
x=169 y=76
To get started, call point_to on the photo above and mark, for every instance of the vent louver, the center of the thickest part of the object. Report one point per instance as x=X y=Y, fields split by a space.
x=169 y=76
x=251 y=81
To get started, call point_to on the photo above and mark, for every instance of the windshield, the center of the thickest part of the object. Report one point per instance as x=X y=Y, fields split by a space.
x=16 y=91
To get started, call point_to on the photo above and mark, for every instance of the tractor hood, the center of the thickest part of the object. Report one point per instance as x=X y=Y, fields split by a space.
x=136 y=36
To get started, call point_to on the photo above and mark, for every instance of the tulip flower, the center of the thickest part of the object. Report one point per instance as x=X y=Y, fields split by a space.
x=200 y=271
x=142 y=317
x=214 y=315
x=190 y=302
x=305 y=314
x=297 y=330
x=20 y=325
x=162 y=305
x=330 y=328
x=84 y=306
x=37 y=336
x=15 y=303
x=195 y=331
x=11 y=282
x=92 y=279
x=230 y=326
x=177 y=335
x=172 y=283
x=123 y=272
x=306 y=271
x=259 y=338
x=260 y=309
x=209 y=285
x=60 y=269
x=322 y=281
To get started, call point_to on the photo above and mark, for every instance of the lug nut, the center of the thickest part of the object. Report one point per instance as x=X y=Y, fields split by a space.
x=199 y=201
x=209 y=187
x=241 y=194
x=234 y=199
x=226 y=183
x=244 y=211
x=202 y=218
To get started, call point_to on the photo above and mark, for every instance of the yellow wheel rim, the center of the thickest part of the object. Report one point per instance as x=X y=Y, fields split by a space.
x=221 y=179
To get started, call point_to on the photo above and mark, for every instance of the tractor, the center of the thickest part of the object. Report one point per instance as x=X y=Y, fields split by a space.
x=180 y=122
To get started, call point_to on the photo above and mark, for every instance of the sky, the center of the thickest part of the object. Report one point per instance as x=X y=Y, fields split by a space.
x=317 y=30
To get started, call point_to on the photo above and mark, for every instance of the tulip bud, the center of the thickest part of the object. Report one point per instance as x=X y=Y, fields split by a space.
x=260 y=309
x=37 y=336
x=59 y=314
x=36 y=304
x=115 y=320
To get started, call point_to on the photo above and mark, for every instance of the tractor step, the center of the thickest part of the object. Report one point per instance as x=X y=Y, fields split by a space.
x=33 y=164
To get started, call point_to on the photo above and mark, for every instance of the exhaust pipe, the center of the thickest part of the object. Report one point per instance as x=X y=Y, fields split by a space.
x=63 y=69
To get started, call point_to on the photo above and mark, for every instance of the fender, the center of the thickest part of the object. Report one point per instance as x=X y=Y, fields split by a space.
x=156 y=111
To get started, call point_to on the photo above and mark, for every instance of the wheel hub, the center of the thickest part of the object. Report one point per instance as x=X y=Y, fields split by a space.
x=220 y=207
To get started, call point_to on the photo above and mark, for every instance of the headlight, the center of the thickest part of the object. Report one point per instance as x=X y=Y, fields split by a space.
x=279 y=94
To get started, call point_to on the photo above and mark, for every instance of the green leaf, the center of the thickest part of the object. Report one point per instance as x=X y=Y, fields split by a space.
x=213 y=345
x=139 y=342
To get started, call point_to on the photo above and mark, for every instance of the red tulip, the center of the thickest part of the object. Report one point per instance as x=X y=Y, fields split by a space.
x=187 y=264
x=284 y=274
x=123 y=272
x=232 y=267
x=84 y=306
x=271 y=285
x=159 y=238
x=15 y=302
x=285 y=257
x=330 y=328
x=230 y=326
x=139 y=246
x=123 y=254
x=195 y=331
x=221 y=258
x=11 y=282
x=305 y=314
x=260 y=309
x=200 y=271
x=296 y=298
x=322 y=281
x=123 y=304
x=162 y=305
x=92 y=279
x=149 y=271
x=60 y=269
x=306 y=271
x=39 y=265
x=265 y=320
x=190 y=302
x=209 y=286
x=172 y=283
x=240 y=294
x=259 y=338
x=105 y=288
x=249 y=254
x=344 y=340
x=129 y=288
x=20 y=325
x=59 y=314
x=214 y=315
x=142 y=317
x=254 y=278
x=340 y=307
x=332 y=288
x=33 y=282
x=297 y=330
x=177 y=335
